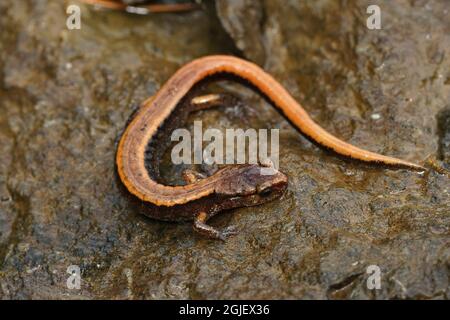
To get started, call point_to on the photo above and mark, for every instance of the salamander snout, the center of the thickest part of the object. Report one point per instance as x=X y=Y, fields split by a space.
x=255 y=183
x=271 y=186
x=266 y=185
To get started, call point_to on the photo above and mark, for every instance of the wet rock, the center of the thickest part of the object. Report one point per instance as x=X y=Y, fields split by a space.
x=66 y=96
x=444 y=135
x=359 y=84
x=243 y=20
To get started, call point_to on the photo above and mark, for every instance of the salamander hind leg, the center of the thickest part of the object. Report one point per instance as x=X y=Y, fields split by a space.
x=201 y=227
x=191 y=176
x=213 y=100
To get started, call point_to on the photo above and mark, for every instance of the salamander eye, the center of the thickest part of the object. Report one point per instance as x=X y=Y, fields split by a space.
x=264 y=190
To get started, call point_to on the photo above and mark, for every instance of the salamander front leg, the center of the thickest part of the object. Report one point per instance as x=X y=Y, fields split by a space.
x=201 y=227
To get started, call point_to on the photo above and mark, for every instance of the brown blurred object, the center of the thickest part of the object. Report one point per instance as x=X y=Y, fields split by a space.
x=143 y=6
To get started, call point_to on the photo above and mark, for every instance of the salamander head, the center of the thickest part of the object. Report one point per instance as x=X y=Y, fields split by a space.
x=245 y=185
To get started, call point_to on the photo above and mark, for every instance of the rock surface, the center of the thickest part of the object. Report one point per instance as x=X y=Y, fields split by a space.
x=65 y=97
